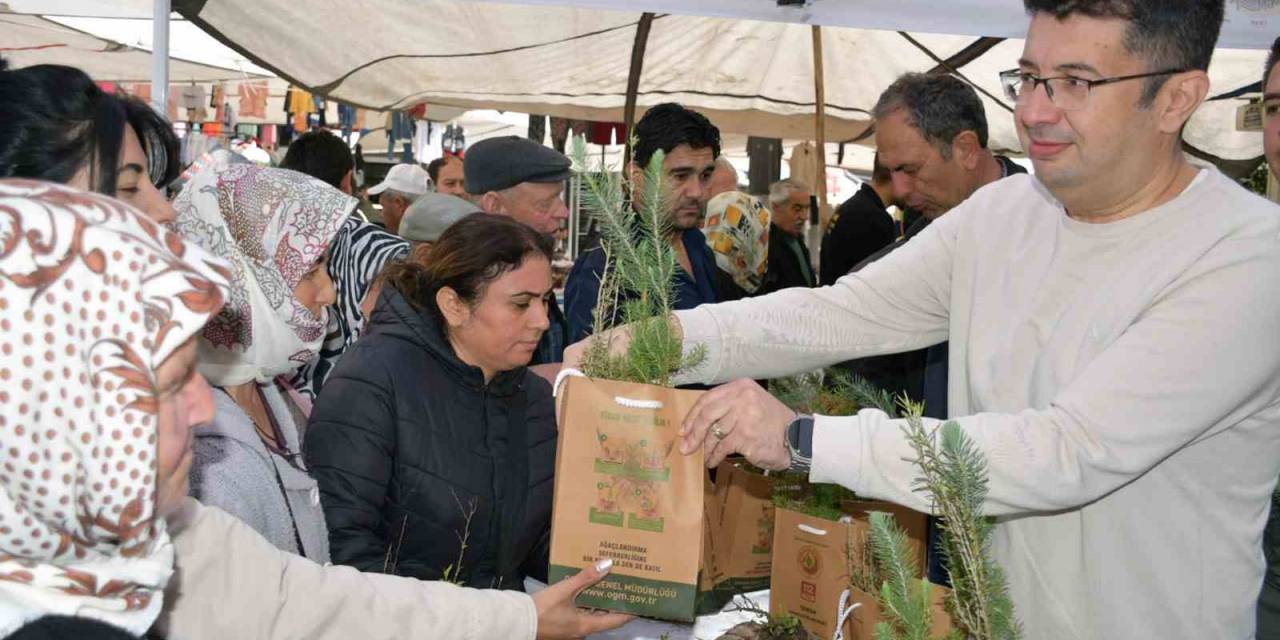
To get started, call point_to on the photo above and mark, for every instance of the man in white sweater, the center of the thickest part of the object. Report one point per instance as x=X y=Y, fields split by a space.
x=1113 y=328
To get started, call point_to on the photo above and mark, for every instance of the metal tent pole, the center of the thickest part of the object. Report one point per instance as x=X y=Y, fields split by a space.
x=160 y=55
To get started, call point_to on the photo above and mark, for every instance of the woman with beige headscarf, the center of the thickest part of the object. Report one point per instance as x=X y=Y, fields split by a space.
x=98 y=308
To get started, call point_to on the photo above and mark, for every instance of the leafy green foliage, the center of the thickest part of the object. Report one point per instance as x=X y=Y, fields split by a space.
x=637 y=287
x=794 y=492
x=783 y=626
x=904 y=598
x=954 y=475
x=834 y=392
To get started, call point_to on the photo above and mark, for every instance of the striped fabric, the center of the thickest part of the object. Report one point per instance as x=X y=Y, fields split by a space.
x=360 y=252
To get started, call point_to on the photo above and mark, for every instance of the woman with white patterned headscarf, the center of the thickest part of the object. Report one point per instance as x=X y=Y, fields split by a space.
x=99 y=307
x=274 y=227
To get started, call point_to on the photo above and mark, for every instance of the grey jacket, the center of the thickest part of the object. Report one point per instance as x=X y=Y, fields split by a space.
x=233 y=470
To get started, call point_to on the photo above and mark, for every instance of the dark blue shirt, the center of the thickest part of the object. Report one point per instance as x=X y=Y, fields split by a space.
x=582 y=289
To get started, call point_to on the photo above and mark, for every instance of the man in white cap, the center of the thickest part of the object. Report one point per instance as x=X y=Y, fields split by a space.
x=404 y=184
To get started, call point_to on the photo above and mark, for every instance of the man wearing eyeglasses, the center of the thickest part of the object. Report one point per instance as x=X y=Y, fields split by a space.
x=1113 y=343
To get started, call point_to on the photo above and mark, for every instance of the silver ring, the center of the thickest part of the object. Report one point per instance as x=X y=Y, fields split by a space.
x=718 y=432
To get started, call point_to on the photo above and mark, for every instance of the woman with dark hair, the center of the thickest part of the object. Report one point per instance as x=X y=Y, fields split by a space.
x=56 y=124
x=433 y=445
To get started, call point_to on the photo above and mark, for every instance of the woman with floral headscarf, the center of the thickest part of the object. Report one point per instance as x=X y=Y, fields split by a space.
x=737 y=230
x=99 y=307
x=274 y=227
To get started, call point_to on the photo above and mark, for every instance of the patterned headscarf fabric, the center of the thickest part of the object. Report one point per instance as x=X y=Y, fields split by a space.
x=94 y=296
x=737 y=230
x=360 y=252
x=272 y=225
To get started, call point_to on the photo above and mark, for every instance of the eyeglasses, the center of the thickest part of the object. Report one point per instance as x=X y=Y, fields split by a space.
x=1067 y=92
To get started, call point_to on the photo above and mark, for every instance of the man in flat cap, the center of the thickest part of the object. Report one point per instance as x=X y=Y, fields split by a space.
x=520 y=178
x=517 y=177
x=690 y=144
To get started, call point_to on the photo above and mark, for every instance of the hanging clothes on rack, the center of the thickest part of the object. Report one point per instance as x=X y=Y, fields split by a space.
x=299 y=105
x=141 y=91
x=606 y=133
x=346 y=119
x=321 y=108
x=399 y=127
x=218 y=101
x=422 y=136
x=267 y=136
x=171 y=103
x=253 y=99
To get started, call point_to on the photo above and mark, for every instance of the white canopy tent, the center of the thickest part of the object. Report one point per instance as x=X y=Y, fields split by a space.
x=746 y=63
x=749 y=76
x=32 y=39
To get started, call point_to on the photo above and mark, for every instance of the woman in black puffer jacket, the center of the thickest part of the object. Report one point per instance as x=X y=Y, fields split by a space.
x=431 y=430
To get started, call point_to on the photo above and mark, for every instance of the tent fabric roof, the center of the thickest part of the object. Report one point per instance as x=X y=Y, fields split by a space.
x=27 y=40
x=748 y=76
x=1250 y=24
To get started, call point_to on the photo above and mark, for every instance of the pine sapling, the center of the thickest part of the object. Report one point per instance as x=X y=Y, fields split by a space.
x=954 y=476
x=904 y=599
x=637 y=286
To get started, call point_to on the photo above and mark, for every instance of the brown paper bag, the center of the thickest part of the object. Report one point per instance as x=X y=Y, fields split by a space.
x=743 y=529
x=624 y=491
x=810 y=569
x=913 y=523
x=815 y=559
x=710 y=599
x=861 y=623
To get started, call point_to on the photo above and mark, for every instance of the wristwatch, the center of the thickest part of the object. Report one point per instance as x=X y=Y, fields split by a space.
x=800 y=434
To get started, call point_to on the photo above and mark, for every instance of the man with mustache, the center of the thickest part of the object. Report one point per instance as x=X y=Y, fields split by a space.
x=931 y=136
x=1112 y=322
x=690 y=144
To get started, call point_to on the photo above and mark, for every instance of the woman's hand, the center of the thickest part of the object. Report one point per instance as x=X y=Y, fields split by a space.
x=559 y=617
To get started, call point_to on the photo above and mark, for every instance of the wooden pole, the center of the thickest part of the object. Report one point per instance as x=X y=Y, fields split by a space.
x=820 y=127
x=633 y=82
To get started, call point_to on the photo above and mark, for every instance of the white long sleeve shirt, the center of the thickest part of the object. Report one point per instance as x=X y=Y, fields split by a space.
x=1122 y=380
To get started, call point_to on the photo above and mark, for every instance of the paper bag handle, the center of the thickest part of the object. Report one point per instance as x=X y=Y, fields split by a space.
x=560 y=377
x=812 y=530
x=843 y=614
x=630 y=403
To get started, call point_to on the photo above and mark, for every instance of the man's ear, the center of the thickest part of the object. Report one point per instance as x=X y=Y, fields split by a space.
x=346 y=184
x=491 y=202
x=966 y=150
x=1179 y=98
x=455 y=311
x=635 y=174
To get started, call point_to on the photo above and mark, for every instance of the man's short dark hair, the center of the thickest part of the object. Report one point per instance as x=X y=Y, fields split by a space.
x=434 y=167
x=879 y=173
x=1168 y=34
x=669 y=125
x=1272 y=59
x=940 y=107
x=320 y=154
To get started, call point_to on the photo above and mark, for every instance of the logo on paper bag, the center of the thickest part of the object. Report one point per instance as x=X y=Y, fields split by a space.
x=810 y=561
x=629 y=472
x=808 y=591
